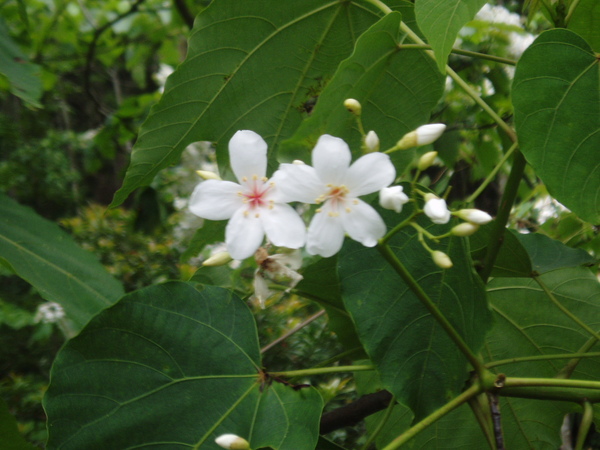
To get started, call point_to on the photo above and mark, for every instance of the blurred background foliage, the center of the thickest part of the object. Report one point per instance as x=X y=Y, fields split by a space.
x=90 y=70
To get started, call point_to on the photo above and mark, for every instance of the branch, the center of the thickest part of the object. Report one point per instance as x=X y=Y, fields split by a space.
x=353 y=413
x=184 y=12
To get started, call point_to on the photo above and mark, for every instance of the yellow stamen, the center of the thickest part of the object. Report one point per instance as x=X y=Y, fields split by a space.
x=244 y=179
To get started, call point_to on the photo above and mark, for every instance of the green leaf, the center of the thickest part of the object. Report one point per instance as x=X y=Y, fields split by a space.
x=23 y=76
x=556 y=96
x=585 y=21
x=512 y=260
x=175 y=367
x=415 y=357
x=396 y=88
x=48 y=258
x=248 y=66
x=210 y=233
x=441 y=20
x=321 y=284
x=11 y=439
x=548 y=254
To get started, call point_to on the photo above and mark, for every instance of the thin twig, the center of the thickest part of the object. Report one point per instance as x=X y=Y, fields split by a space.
x=292 y=331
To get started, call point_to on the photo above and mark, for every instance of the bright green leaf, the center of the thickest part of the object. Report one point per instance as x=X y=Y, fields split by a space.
x=210 y=233
x=397 y=90
x=548 y=254
x=585 y=21
x=175 y=367
x=556 y=96
x=247 y=67
x=23 y=76
x=441 y=20
x=48 y=258
x=415 y=357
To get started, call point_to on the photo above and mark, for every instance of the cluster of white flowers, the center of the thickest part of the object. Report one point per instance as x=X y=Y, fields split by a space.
x=257 y=206
x=50 y=312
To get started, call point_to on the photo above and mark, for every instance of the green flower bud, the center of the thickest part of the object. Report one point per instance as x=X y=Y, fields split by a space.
x=441 y=259
x=353 y=106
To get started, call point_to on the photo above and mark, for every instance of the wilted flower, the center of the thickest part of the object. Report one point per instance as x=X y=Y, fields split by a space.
x=372 y=141
x=232 y=442
x=435 y=208
x=255 y=206
x=441 y=259
x=425 y=134
x=336 y=185
x=393 y=198
x=278 y=268
x=474 y=216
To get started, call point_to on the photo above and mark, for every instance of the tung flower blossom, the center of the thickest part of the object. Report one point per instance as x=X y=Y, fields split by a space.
x=335 y=185
x=254 y=207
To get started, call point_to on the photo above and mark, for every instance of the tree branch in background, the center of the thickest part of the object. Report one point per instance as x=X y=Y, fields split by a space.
x=353 y=413
x=184 y=12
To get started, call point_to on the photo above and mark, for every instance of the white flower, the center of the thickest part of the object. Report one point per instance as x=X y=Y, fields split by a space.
x=280 y=267
x=50 y=312
x=475 y=216
x=336 y=185
x=255 y=206
x=393 y=198
x=435 y=208
x=372 y=141
x=425 y=134
x=232 y=442
x=441 y=259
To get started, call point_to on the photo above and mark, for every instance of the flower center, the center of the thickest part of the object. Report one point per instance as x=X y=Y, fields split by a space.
x=335 y=197
x=256 y=192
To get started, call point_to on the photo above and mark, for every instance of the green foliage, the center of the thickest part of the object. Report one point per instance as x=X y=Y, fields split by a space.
x=194 y=361
x=556 y=93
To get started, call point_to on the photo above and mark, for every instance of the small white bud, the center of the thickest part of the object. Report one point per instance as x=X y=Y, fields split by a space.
x=298 y=162
x=436 y=209
x=426 y=161
x=441 y=259
x=218 y=259
x=425 y=134
x=353 y=106
x=464 y=229
x=372 y=141
x=393 y=198
x=232 y=442
x=205 y=174
x=474 y=216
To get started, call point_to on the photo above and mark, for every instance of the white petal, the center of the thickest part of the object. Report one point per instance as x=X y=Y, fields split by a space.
x=436 y=210
x=283 y=226
x=215 y=199
x=297 y=183
x=244 y=234
x=363 y=223
x=325 y=234
x=393 y=198
x=426 y=134
x=369 y=173
x=331 y=158
x=261 y=289
x=248 y=155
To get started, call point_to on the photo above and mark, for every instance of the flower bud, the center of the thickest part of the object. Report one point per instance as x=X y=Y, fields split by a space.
x=232 y=442
x=474 y=216
x=426 y=161
x=218 y=259
x=205 y=174
x=436 y=209
x=441 y=259
x=393 y=198
x=372 y=141
x=464 y=229
x=353 y=106
x=298 y=162
x=425 y=134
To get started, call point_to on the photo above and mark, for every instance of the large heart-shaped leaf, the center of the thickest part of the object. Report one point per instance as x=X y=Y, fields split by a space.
x=48 y=258
x=397 y=89
x=415 y=357
x=556 y=95
x=173 y=367
x=250 y=65
x=441 y=20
